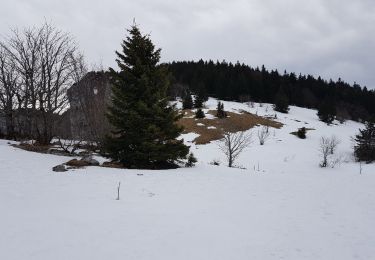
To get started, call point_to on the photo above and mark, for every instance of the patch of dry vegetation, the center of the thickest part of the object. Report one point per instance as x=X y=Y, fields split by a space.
x=233 y=123
x=33 y=147
x=77 y=163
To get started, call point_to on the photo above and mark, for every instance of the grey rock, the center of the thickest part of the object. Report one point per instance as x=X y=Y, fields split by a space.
x=90 y=161
x=59 y=168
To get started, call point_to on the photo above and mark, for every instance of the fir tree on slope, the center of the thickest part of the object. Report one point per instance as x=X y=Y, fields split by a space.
x=187 y=102
x=201 y=97
x=281 y=102
x=327 y=111
x=220 y=110
x=199 y=113
x=364 y=149
x=145 y=125
x=198 y=102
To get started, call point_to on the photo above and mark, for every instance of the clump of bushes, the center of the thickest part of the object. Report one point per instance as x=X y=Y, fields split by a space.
x=199 y=113
x=220 y=110
x=301 y=133
x=191 y=160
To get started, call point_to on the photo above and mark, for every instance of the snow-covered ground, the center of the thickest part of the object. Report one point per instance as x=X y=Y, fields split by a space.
x=282 y=206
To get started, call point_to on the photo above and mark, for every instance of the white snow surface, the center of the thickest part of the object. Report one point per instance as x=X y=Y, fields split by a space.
x=283 y=206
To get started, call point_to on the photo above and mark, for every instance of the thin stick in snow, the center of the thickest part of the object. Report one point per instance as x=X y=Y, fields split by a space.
x=118 y=191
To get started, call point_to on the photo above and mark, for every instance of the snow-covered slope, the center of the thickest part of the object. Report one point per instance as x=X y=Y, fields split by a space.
x=285 y=208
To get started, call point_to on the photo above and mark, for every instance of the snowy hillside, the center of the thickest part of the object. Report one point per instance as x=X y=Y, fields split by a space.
x=282 y=206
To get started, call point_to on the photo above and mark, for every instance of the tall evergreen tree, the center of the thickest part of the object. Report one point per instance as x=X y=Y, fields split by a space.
x=198 y=102
x=364 y=149
x=145 y=125
x=199 y=113
x=327 y=111
x=200 y=97
x=220 y=110
x=281 y=101
x=187 y=101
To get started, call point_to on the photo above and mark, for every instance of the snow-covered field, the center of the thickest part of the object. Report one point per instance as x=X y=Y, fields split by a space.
x=282 y=206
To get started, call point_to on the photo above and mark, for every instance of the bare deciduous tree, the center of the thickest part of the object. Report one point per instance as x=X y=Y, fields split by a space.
x=68 y=146
x=48 y=63
x=324 y=149
x=22 y=48
x=263 y=134
x=8 y=88
x=233 y=144
x=333 y=143
x=327 y=148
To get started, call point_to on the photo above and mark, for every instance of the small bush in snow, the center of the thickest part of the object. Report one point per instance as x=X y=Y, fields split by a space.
x=215 y=162
x=301 y=133
x=333 y=143
x=199 y=113
x=263 y=134
x=191 y=160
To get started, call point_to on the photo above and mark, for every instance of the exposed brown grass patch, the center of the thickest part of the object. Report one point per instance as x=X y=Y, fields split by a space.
x=77 y=163
x=33 y=147
x=116 y=165
x=233 y=123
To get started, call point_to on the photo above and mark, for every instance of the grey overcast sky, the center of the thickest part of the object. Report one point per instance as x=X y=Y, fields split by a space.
x=331 y=38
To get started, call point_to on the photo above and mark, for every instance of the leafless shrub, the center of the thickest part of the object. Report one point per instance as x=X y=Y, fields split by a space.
x=251 y=104
x=324 y=149
x=68 y=146
x=233 y=144
x=333 y=143
x=9 y=83
x=263 y=134
x=327 y=149
x=336 y=160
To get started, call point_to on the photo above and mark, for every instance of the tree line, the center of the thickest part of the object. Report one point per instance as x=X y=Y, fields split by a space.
x=239 y=82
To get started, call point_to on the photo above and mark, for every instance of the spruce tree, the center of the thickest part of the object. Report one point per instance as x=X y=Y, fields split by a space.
x=200 y=97
x=220 y=110
x=364 y=149
x=281 y=102
x=187 y=102
x=327 y=111
x=145 y=125
x=198 y=102
x=199 y=113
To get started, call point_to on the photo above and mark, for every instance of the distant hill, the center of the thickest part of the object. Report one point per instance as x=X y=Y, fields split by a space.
x=239 y=82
